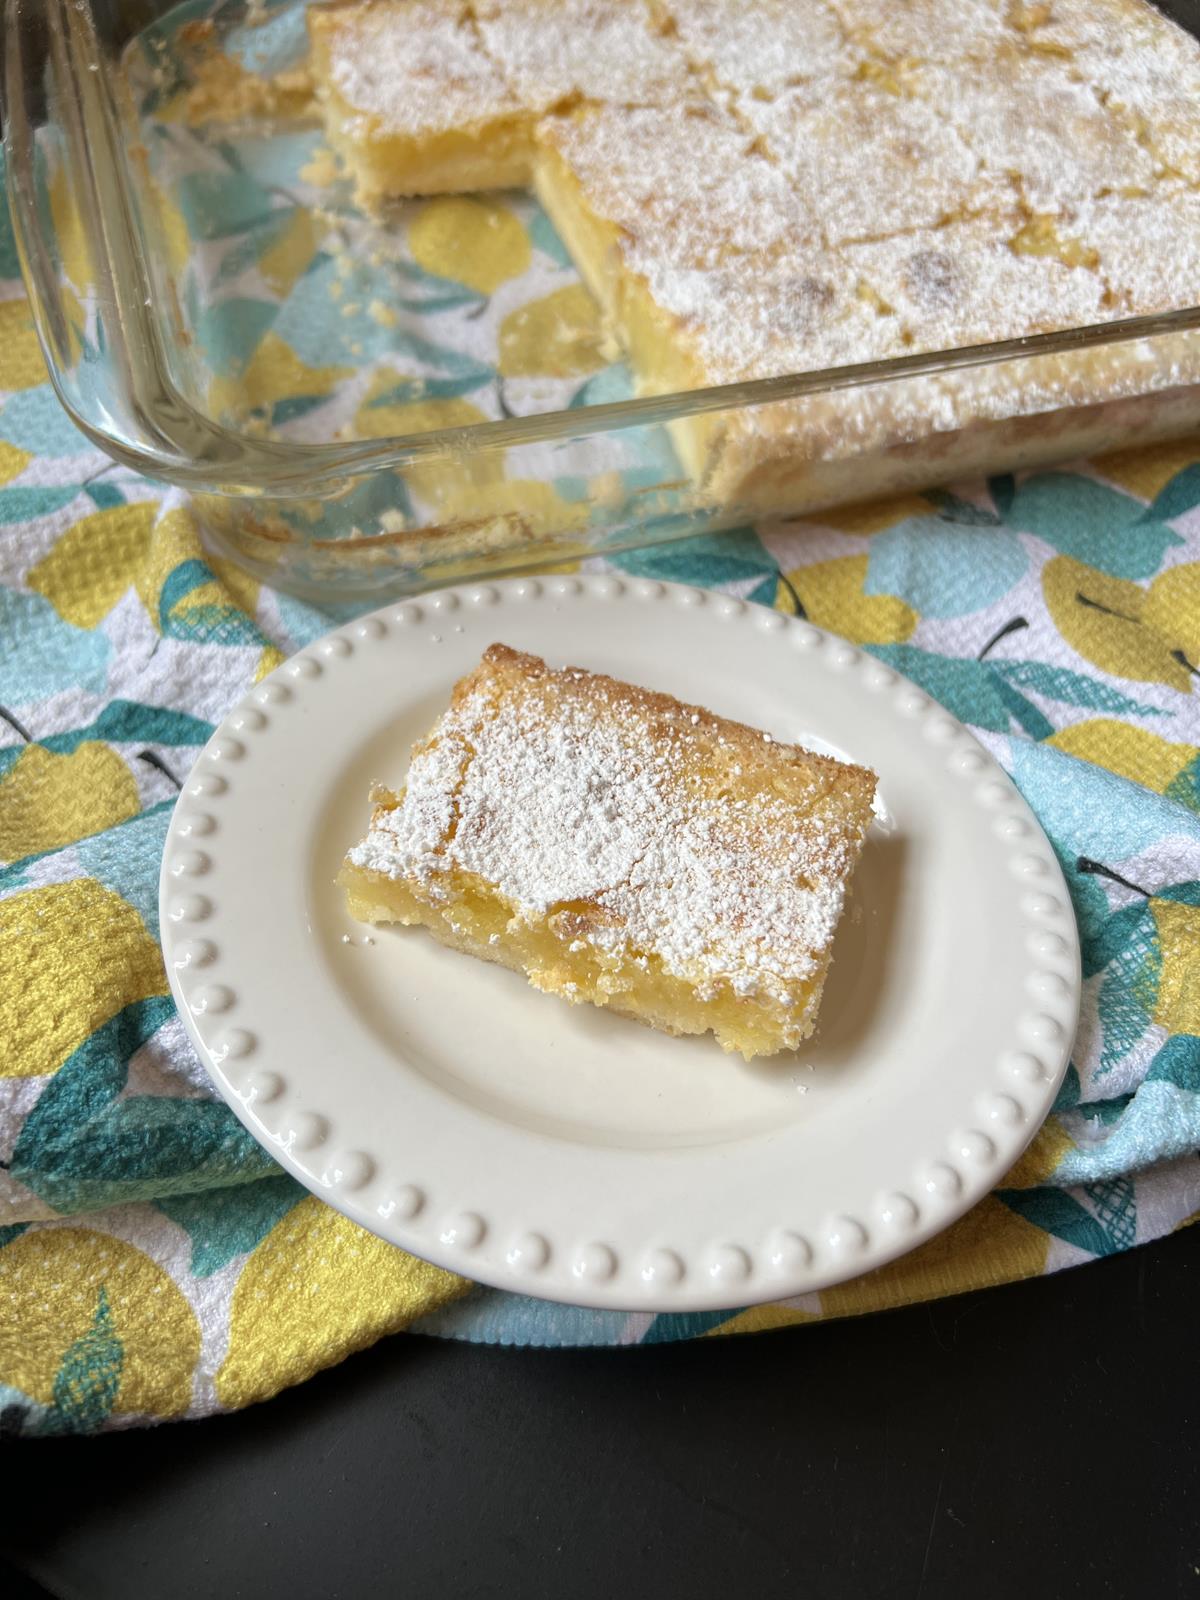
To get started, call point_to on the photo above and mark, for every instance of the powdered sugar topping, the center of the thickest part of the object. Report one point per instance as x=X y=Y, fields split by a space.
x=610 y=815
x=419 y=66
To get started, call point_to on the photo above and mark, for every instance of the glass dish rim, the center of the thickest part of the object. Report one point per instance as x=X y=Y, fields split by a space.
x=238 y=464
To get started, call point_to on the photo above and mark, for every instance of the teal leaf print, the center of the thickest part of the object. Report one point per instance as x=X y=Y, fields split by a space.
x=1002 y=490
x=128 y=722
x=604 y=387
x=1073 y=688
x=1097 y=525
x=1178 y=1062
x=1088 y=901
x=1130 y=927
x=257 y=239
x=543 y=237
x=415 y=288
x=1069 y=1090
x=966 y=687
x=1180 y=495
x=1127 y=998
x=1058 y=1213
x=12 y=1231
x=210 y=624
x=104 y=495
x=23 y=504
x=229 y=332
x=417 y=388
x=1116 y=1211
x=86 y=1384
x=293 y=406
x=943 y=568
x=218 y=204
x=675 y=1325
x=710 y=559
x=322 y=336
x=1106 y=1112
x=1185 y=894
x=1028 y=717
x=82 y=1147
x=952 y=508
x=274 y=161
x=225 y=1223
x=1184 y=787
x=766 y=593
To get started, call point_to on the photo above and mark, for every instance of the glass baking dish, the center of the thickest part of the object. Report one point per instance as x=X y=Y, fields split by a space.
x=361 y=407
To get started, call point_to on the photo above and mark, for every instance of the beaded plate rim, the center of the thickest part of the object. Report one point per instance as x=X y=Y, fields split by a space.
x=607 y=1270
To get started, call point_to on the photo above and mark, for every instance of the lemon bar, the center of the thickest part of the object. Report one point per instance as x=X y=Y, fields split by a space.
x=621 y=848
x=413 y=102
x=865 y=163
x=1034 y=120
x=757 y=51
x=556 y=53
x=909 y=31
x=755 y=191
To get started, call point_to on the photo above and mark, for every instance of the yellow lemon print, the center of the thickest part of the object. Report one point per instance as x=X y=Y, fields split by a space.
x=94 y=562
x=316 y=1288
x=1146 y=471
x=282 y=262
x=236 y=583
x=1130 y=751
x=21 y=363
x=12 y=461
x=410 y=416
x=71 y=956
x=70 y=234
x=48 y=800
x=1041 y=1160
x=559 y=336
x=174 y=538
x=876 y=517
x=991 y=1244
x=831 y=593
x=271 y=658
x=479 y=243
x=1103 y=619
x=1172 y=609
x=50 y=1285
x=1178 y=1005
x=274 y=373
x=762 y=1319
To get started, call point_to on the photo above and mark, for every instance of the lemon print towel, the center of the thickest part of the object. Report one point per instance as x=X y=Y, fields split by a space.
x=154 y=1262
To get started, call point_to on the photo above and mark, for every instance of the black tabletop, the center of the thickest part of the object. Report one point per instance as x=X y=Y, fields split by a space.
x=1029 y=1441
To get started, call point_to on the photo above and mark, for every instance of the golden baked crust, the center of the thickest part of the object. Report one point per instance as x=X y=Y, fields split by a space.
x=620 y=847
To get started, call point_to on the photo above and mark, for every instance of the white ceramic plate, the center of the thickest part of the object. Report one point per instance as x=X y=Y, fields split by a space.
x=563 y=1151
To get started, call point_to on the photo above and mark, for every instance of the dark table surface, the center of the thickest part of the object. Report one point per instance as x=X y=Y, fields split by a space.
x=1035 y=1440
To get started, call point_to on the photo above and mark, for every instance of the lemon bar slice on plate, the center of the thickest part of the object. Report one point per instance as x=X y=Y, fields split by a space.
x=619 y=847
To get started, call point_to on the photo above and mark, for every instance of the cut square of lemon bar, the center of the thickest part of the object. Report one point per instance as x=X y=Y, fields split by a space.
x=619 y=847
x=413 y=102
